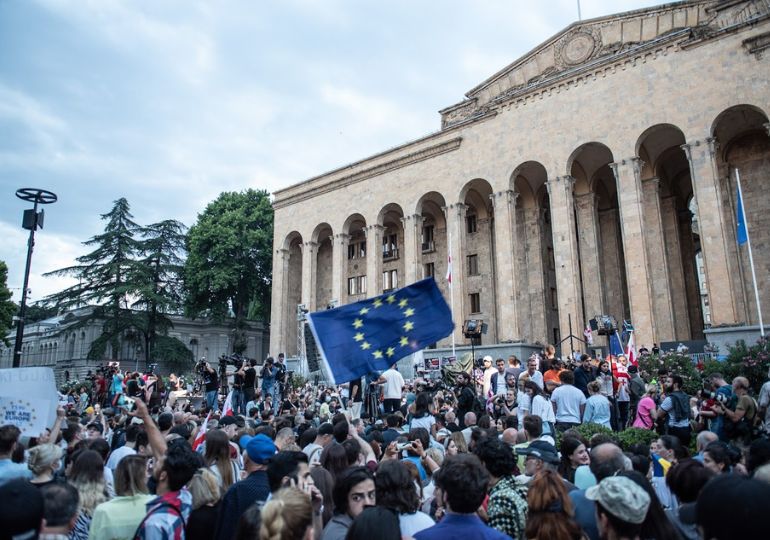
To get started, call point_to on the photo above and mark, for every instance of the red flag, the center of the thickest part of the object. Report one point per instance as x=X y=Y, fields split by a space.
x=631 y=350
x=201 y=433
x=227 y=408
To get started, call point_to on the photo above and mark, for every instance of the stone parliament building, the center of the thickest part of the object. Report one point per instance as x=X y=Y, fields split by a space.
x=594 y=175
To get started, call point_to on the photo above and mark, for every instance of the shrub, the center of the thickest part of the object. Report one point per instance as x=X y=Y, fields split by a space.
x=586 y=431
x=750 y=362
x=632 y=436
x=678 y=364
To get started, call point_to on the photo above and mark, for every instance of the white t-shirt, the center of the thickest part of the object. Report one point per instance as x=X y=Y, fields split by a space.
x=117 y=455
x=764 y=401
x=501 y=387
x=524 y=406
x=487 y=378
x=411 y=524
x=542 y=407
x=537 y=378
x=394 y=383
x=568 y=400
x=426 y=422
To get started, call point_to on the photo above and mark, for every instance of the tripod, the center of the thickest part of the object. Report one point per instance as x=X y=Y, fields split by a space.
x=570 y=337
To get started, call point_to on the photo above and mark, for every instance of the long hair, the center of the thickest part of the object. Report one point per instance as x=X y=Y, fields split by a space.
x=422 y=405
x=550 y=513
x=286 y=516
x=218 y=452
x=87 y=476
x=568 y=447
x=459 y=440
x=395 y=487
x=130 y=476
x=532 y=385
x=204 y=488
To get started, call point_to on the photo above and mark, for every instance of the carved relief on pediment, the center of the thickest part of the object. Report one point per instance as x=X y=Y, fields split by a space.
x=577 y=47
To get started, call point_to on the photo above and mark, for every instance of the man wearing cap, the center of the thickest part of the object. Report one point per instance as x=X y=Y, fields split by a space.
x=539 y=456
x=621 y=507
x=258 y=451
x=489 y=370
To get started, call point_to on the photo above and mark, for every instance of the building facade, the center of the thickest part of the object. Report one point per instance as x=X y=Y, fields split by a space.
x=594 y=175
x=63 y=343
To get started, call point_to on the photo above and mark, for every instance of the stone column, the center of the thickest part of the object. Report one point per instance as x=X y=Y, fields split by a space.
x=505 y=261
x=412 y=226
x=590 y=244
x=668 y=214
x=535 y=302
x=339 y=267
x=309 y=254
x=374 y=260
x=630 y=201
x=565 y=250
x=713 y=229
x=658 y=264
x=455 y=224
x=278 y=310
x=691 y=278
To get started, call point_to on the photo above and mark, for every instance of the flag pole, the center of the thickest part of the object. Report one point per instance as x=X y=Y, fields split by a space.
x=451 y=287
x=751 y=255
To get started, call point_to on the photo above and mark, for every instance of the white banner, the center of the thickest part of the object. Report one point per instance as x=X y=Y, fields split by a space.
x=28 y=399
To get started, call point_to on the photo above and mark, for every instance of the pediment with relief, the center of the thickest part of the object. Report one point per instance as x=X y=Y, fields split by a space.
x=586 y=43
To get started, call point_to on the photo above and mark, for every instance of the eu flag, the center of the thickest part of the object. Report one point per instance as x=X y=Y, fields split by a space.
x=743 y=235
x=372 y=334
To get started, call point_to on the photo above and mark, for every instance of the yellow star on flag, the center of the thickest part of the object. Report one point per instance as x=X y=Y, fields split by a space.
x=377 y=303
x=402 y=303
x=390 y=352
x=408 y=325
x=365 y=345
x=404 y=341
x=359 y=336
x=377 y=354
x=358 y=323
x=391 y=298
x=408 y=312
x=363 y=311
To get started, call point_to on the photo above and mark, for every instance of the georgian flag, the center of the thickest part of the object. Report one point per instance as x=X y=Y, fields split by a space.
x=227 y=408
x=201 y=436
x=588 y=335
x=631 y=350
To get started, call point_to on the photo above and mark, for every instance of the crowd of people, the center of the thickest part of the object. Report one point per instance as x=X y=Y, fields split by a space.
x=497 y=454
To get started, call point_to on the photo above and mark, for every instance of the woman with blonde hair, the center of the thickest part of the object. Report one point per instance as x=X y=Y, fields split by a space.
x=44 y=460
x=217 y=459
x=287 y=516
x=87 y=476
x=206 y=495
x=455 y=444
x=550 y=514
x=119 y=517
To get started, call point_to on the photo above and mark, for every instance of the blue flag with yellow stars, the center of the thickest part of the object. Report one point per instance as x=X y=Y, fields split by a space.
x=371 y=335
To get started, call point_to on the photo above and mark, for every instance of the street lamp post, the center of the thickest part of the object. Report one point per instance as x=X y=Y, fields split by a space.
x=31 y=221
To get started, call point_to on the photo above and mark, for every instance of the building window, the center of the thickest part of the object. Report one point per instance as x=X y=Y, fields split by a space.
x=553 y=298
x=427 y=239
x=357 y=250
x=475 y=299
x=470 y=223
x=356 y=285
x=390 y=246
x=389 y=280
x=473 y=265
x=429 y=270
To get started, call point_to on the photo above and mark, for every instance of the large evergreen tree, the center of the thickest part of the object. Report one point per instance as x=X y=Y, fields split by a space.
x=105 y=278
x=7 y=307
x=229 y=261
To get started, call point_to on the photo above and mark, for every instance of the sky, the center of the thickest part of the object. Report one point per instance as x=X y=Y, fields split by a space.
x=170 y=102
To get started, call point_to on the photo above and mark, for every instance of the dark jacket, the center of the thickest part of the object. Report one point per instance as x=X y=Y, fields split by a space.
x=241 y=495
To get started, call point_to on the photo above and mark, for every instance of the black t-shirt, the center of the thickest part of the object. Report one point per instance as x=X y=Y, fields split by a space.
x=250 y=377
x=357 y=383
x=238 y=381
x=211 y=381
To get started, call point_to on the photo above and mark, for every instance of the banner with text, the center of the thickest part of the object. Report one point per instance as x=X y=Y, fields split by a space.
x=28 y=399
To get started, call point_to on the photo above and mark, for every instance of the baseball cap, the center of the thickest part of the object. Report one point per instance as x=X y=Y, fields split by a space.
x=621 y=497
x=326 y=429
x=541 y=450
x=745 y=500
x=487 y=358
x=260 y=448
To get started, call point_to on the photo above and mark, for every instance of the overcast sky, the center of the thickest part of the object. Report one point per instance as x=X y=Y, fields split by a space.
x=168 y=103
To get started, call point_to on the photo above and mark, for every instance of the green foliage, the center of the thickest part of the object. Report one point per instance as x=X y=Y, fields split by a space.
x=298 y=381
x=37 y=312
x=751 y=362
x=229 y=262
x=631 y=436
x=678 y=364
x=7 y=307
x=586 y=431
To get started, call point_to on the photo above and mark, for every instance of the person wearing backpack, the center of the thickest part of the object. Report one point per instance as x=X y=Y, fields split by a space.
x=676 y=409
x=740 y=418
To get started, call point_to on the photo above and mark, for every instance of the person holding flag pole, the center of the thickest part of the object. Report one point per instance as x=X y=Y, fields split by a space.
x=743 y=238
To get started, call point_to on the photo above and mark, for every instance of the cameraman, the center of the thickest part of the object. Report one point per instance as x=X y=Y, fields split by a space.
x=249 y=383
x=718 y=390
x=210 y=385
x=239 y=377
x=268 y=378
x=740 y=415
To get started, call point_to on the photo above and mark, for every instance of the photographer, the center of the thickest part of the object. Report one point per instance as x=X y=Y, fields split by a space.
x=210 y=384
x=249 y=383
x=740 y=415
x=716 y=389
x=239 y=379
x=268 y=378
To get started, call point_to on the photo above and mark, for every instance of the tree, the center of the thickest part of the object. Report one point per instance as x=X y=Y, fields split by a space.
x=158 y=282
x=104 y=278
x=7 y=307
x=229 y=260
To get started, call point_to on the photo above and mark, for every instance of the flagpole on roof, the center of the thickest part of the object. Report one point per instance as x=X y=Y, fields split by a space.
x=579 y=17
x=743 y=227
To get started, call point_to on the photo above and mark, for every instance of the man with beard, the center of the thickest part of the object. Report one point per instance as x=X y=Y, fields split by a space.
x=676 y=407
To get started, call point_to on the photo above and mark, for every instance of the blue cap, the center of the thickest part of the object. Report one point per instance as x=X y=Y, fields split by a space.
x=260 y=448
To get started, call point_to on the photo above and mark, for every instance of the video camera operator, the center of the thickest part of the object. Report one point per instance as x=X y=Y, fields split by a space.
x=249 y=382
x=239 y=381
x=210 y=383
x=268 y=378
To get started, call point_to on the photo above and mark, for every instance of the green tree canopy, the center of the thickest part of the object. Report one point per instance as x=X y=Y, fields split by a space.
x=229 y=260
x=7 y=307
